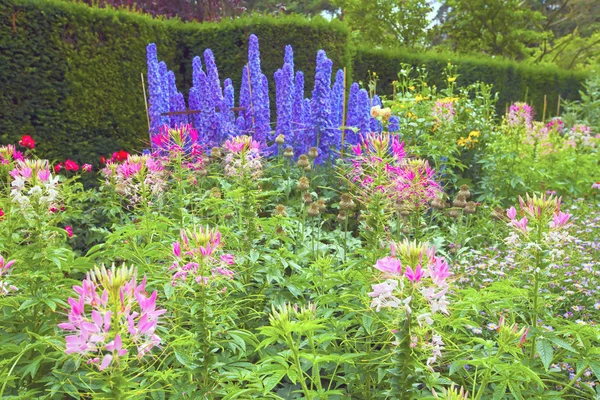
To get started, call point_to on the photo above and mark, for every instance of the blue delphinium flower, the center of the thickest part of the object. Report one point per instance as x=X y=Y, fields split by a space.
x=337 y=107
x=297 y=114
x=284 y=101
x=322 y=135
x=240 y=126
x=259 y=103
x=376 y=125
x=394 y=124
x=306 y=141
x=244 y=102
x=288 y=57
x=180 y=106
x=265 y=127
x=196 y=69
x=364 y=112
x=227 y=115
x=196 y=105
x=154 y=89
x=352 y=115
x=164 y=88
x=212 y=74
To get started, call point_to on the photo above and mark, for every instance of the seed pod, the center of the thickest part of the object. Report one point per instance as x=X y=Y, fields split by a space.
x=303 y=161
x=288 y=152
x=346 y=202
x=470 y=208
x=307 y=198
x=313 y=210
x=453 y=213
x=322 y=204
x=280 y=139
x=313 y=153
x=280 y=210
x=341 y=217
x=303 y=183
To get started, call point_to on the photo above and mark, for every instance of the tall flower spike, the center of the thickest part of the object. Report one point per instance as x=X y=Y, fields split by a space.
x=321 y=135
x=297 y=114
x=284 y=99
x=352 y=119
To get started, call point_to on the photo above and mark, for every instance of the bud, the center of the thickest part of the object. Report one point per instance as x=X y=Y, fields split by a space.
x=307 y=198
x=341 y=217
x=288 y=152
x=308 y=168
x=464 y=192
x=215 y=152
x=438 y=204
x=346 y=202
x=453 y=213
x=498 y=213
x=386 y=113
x=280 y=139
x=470 y=208
x=313 y=153
x=459 y=201
x=322 y=204
x=303 y=184
x=280 y=211
x=313 y=210
x=303 y=161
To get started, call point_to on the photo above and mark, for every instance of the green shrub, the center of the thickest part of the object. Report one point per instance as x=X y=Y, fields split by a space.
x=513 y=81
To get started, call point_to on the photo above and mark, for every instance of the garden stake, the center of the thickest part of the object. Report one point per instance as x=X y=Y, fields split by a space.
x=146 y=104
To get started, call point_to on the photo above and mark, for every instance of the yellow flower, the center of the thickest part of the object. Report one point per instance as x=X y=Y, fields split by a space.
x=424 y=84
x=474 y=134
x=451 y=79
x=418 y=98
x=411 y=88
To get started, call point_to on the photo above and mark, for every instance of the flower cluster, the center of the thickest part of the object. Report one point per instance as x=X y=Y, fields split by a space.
x=33 y=187
x=443 y=110
x=198 y=254
x=520 y=114
x=539 y=220
x=5 y=287
x=171 y=143
x=243 y=157
x=470 y=141
x=580 y=135
x=27 y=142
x=9 y=154
x=414 y=276
x=138 y=178
x=112 y=316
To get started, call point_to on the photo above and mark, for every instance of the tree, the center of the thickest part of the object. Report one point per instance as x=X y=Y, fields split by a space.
x=507 y=28
x=386 y=23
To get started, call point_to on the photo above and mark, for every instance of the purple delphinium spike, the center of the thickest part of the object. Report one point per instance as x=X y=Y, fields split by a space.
x=195 y=104
x=364 y=112
x=376 y=125
x=266 y=109
x=297 y=114
x=394 y=124
x=306 y=141
x=240 y=126
x=284 y=102
x=180 y=106
x=154 y=89
x=352 y=114
x=212 y=75
x=245 y=100
x=173 y=119
x=227 y=116
x=164 y=88
x=196 y=68
x=288 y=57
x=337 y=100
x=259 y=104
x=321 y=106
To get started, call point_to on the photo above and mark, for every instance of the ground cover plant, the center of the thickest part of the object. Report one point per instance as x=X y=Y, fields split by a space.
x=386 y=248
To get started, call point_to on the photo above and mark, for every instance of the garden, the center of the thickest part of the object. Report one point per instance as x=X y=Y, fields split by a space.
x=265 y=221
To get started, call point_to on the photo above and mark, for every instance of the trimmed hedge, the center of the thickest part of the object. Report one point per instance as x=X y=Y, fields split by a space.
x=512 y=80
x=70 y=74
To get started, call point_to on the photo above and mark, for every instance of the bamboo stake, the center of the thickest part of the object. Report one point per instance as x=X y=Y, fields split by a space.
x=343 y=116
x=558 y=106
x=545 y=106
x=145 y=101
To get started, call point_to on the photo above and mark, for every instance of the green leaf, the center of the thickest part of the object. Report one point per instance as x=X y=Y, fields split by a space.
x=595 y=366
x=270 y=382
x=544 y=349
x=500 y=391
x=562 y=343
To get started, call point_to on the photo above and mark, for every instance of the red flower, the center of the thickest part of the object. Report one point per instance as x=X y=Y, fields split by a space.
x=58 y=167
x=1 y=213
x=71 y=165
x=27 y=142
x=120 y=156
x=102 y=160
x=69 y=230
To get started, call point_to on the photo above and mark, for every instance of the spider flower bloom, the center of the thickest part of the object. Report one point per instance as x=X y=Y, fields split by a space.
x=243 y=157
x=197 y=253
x=110 y=306
x=443 y=110
x=415 y=183
x=389 y=265
x=520 y=114
x=5 y=287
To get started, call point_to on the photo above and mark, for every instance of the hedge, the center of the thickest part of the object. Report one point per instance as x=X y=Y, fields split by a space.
x=70 y=74
x=513 y=81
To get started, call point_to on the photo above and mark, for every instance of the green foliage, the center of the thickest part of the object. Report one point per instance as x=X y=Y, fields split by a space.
x=512 y=81
x=71 y=73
